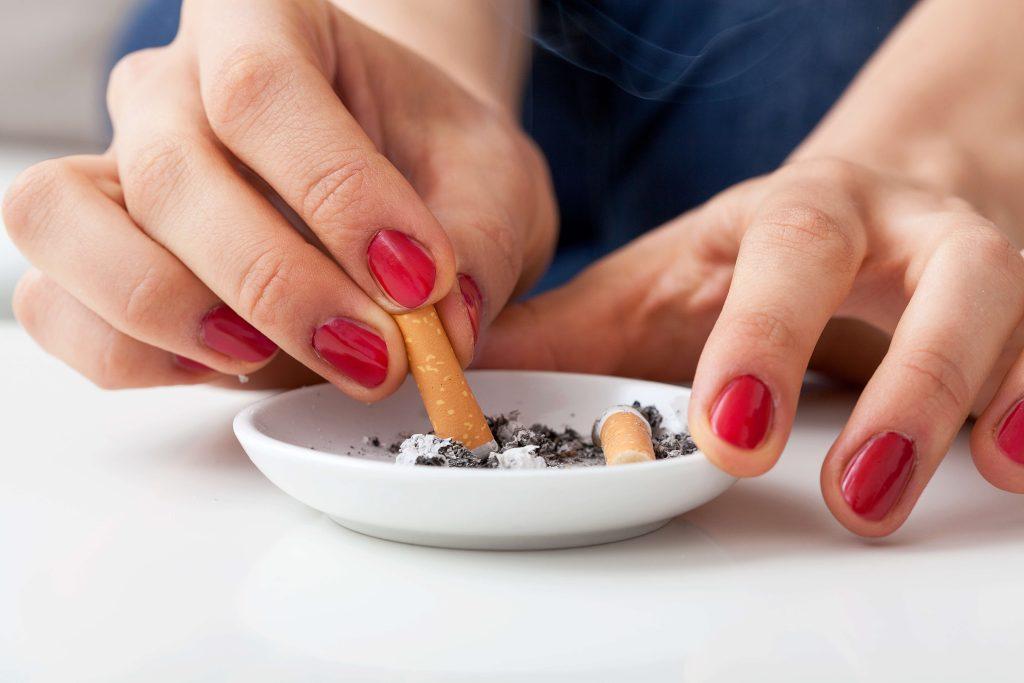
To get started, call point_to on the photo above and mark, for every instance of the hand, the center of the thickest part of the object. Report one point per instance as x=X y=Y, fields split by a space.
x=749 y=283
x=175 y=257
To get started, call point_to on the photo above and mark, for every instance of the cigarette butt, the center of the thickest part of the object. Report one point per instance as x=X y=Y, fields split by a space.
x=624 y=435
x=451 y=406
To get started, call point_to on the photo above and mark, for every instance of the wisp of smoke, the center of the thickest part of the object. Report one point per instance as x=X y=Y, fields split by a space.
x=728 y=48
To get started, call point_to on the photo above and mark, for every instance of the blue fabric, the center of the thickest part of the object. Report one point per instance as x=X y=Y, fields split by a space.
x=646 y=108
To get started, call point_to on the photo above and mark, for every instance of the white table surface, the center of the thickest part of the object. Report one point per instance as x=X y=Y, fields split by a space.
x=138 y=543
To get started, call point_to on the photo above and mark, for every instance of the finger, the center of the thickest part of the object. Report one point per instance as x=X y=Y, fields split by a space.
x=564 y=330
x=82 y=237
x=269 y=101
x=640 y=312
x=796 y=264
x=65 y=328
x=499 y=256
x=969 y=299
x=582 y=326
x=183 y=193
x=488 y=263
x=997 y=438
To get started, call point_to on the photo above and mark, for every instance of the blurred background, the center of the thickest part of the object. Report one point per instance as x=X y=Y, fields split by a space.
x=54 y=59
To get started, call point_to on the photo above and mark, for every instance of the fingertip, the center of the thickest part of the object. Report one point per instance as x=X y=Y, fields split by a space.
x=996 y=465
x=734 y=461
x=458 y=324
x=408 y=272
x=871 y=482
x=832 y=471
x=365 y=360
x=741 y=428
x=854 y=523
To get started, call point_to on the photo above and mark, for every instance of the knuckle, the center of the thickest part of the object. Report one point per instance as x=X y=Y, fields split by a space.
x=243 y=85
x=26 y=301
x=939 y=378
x=499 y=235
x=263 y=289
x=808 y=229
x=31 y=197
x=153 y=171
x=145 y=302
x=339 y=191
x=765 y=329
x=986 y=249
x=957 y=205
x=993 y=248
x=837 y=173
x=108 y=370
x=130 y=68
x=130 y=71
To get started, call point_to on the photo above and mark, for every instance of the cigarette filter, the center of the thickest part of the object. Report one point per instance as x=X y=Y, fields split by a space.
x=624 y=436
x=451 y=406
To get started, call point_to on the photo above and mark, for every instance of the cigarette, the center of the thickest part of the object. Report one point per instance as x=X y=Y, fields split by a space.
x=624 y=435
x=450 y=403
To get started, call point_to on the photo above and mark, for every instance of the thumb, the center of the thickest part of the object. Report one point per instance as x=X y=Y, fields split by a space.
x=569 y=329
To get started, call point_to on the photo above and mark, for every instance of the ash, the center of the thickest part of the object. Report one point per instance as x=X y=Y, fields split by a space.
x=531 y=446
x=428 y=449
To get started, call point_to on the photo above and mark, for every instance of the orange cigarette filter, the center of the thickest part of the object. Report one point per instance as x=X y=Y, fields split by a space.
x=624 y=436
x=450 y=403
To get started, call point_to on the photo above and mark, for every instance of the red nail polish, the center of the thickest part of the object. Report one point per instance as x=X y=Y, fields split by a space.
x=353 y=349
x=403 y=268
x=743 y=412
x=190 y=365
x=1011 y=434
x=474 y=300
x=224 y=330
x=877 y=475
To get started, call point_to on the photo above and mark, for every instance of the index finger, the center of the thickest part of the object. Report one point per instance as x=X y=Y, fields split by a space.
x=268 y=89
x=796 y=264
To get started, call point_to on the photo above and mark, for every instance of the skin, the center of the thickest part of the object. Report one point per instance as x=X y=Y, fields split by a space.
x=883 y=252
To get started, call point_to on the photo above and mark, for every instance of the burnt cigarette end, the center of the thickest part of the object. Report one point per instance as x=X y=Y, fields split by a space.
x=624 y=435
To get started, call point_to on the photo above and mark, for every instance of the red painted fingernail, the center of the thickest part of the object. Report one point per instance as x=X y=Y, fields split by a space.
x=403 y=268
x=474 y=301
x=743 y=412
x=353 y=349
x=877 y=475
x=1011 y=434
x=190 y=365
x=224 y=330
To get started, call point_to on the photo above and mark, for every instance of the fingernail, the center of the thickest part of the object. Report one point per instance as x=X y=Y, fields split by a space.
x=743 y=412
x=877 y=475
x=474 y=301
x=223 y=330
x=190 y=365
x=1011 y=434
x=403 y=268
x=352 y=349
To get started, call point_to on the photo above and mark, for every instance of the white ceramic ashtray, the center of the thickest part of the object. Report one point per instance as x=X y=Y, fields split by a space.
x=310 y=443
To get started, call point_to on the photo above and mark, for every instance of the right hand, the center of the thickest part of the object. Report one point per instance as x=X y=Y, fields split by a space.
x=866 y=275
x=176 y=256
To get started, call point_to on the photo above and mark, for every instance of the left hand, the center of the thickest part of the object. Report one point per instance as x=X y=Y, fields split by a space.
x=825 y=264
x=172 y=258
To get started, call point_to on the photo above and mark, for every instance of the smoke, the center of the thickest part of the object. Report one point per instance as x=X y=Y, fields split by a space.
x=693 y=49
